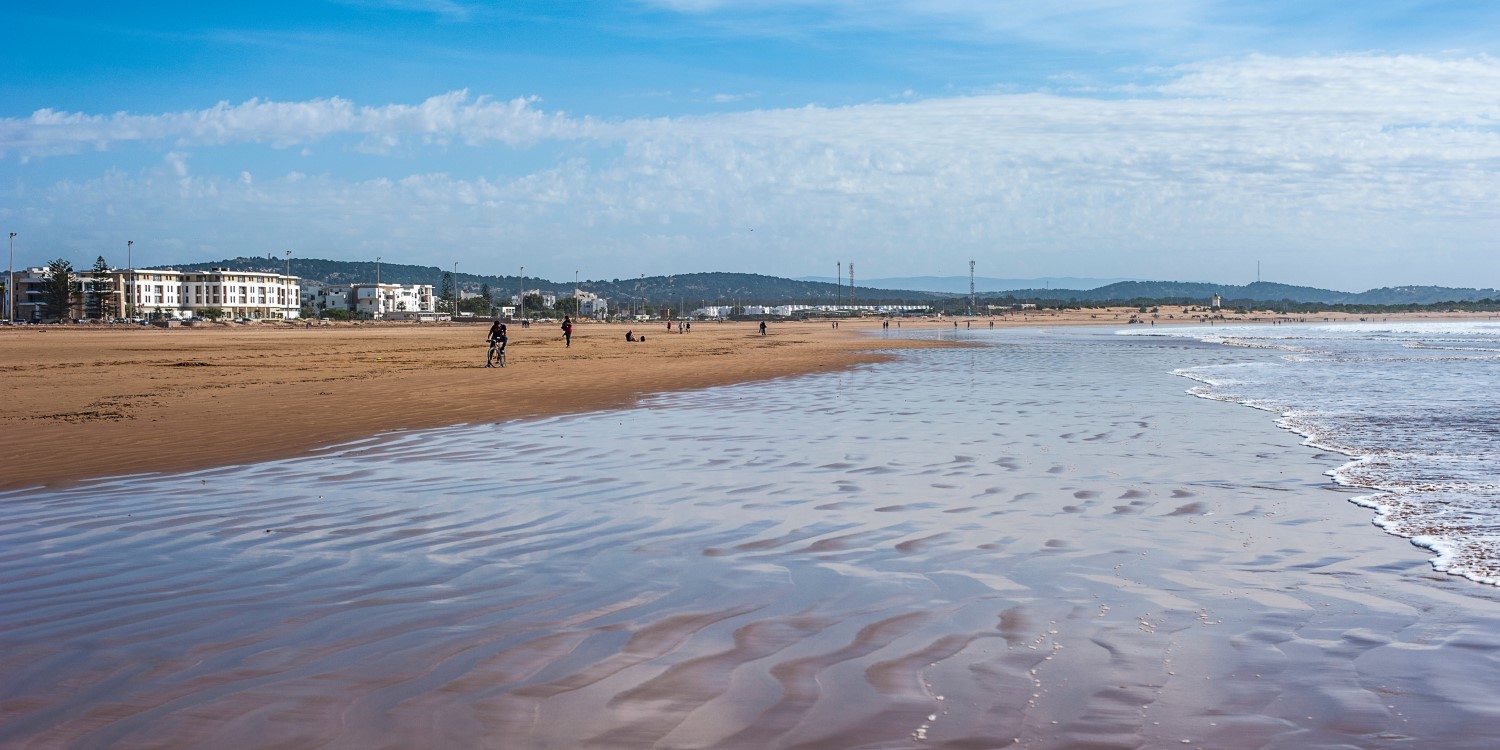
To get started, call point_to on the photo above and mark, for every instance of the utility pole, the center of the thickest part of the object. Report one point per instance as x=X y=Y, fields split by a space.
x=285 y=288
x=971 y=287
x=521 y=293
x=841 y=275
x=129 y=286
x=379 y=293
x=10 y=283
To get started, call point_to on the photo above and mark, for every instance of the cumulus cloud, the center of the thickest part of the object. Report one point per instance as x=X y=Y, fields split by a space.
x=1334 y=169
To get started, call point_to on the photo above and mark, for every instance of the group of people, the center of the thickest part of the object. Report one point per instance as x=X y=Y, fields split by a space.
x=498 y=339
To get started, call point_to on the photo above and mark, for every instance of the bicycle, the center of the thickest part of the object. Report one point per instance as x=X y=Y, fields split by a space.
x=496 y=354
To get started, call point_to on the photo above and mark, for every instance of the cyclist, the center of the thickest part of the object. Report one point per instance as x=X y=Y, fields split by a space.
x=498 y=340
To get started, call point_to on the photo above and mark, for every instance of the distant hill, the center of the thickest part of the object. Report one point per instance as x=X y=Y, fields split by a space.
x=982 y=284
x=1183 y=292
x=693 y=289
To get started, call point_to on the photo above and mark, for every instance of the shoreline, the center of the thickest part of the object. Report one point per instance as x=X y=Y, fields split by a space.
x=88 y=402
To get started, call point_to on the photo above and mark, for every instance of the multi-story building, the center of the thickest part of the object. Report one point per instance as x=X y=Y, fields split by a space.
x=373 y=301
x=30 y=283
x=382 y=300
x=592 y=305
x=150 y=292
x=184 y=294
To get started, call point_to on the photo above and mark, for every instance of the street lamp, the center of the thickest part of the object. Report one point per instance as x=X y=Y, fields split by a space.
x=521 y=293
x=286 y=297
x=455 y=289
x=10 y=283
x=379 y=296
x=130 y=285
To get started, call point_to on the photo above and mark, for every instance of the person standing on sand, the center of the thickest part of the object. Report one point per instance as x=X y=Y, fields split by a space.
x=567 y=327
x=763 y=328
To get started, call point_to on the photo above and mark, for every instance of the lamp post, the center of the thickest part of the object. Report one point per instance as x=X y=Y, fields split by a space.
x=577 y=305
x=455 y=289
x=130 y=285
x=379 y=296
x=10 y=284
x=286 y=297
x=521 y=293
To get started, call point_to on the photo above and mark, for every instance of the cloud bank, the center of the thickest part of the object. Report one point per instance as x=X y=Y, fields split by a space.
x=1334 y=171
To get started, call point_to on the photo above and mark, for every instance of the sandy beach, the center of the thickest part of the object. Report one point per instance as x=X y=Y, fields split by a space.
x=98 y=402
x=91 y=401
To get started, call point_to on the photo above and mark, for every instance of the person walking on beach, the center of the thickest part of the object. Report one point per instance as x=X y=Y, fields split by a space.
x=763 y=328
x=567 y=327
x=497 y=340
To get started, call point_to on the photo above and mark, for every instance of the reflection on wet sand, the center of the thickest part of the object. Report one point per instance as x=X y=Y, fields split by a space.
x=1041 y=543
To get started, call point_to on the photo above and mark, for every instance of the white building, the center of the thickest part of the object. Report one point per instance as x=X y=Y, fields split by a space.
x=548 y=299
x=379 y=300
x=592 y=305
x=374 y=301
x=184 y=294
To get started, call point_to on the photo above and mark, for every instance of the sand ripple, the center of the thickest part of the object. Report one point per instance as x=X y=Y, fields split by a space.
x=861 y=559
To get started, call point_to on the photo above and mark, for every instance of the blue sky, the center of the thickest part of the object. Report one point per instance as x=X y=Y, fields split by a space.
x=1341 y=144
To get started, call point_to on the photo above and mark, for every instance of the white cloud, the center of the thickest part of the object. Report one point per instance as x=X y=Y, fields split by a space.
x=1333 y=170
x=438 y=120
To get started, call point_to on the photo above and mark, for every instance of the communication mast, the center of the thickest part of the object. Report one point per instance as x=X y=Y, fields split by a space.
x=971 y=287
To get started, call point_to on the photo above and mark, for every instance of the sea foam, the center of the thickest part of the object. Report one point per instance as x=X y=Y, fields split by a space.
x=1411 y=402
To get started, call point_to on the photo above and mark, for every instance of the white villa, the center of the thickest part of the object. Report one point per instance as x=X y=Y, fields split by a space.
x=592 y=305
x=375 y=301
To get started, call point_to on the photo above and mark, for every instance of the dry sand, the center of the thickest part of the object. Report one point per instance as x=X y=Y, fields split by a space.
x=88 y=401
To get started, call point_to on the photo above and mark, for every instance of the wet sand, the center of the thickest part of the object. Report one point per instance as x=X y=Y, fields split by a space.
x=89 y=401
x=1042 y=543
x=93 y=401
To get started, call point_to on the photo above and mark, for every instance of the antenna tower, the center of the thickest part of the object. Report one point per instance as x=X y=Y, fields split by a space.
x=971 y=287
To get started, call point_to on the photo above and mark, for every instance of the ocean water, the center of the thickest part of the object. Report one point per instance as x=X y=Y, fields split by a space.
x=1039 y=541
x=1417 y=406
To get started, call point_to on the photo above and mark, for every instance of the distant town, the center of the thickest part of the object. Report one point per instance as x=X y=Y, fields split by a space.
x=57 y=293
x=266 y=289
